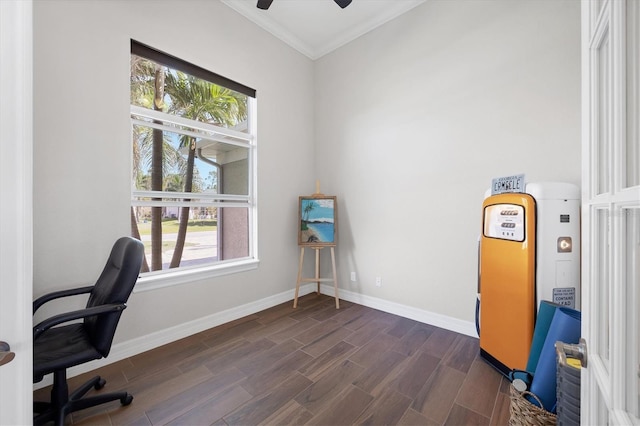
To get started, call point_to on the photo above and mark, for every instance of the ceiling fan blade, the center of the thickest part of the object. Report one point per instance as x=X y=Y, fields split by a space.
x=264 y=4
x=343 y=3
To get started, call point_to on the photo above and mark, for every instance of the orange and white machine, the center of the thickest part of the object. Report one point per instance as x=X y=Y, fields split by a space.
x=529 y=251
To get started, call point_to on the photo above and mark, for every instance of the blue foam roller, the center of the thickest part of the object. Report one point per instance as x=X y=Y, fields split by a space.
x=543 y=322
x=565 y=327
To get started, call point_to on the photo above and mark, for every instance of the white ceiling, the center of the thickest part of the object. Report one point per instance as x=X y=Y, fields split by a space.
x=316 y=27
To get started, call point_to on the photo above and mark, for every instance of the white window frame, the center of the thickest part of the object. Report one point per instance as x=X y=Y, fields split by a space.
x=169 y=277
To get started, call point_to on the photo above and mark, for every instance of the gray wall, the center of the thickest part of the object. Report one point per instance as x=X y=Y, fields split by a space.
x=82 y=144
x=415 y=118
x=406 y=125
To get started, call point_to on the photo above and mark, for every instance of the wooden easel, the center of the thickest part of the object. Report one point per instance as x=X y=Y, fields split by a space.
x=316 y=278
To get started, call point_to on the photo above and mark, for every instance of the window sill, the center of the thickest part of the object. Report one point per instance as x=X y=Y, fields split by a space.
x=155 y=280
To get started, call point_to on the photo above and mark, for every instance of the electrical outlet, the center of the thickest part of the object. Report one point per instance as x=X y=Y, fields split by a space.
x=378 y=281
x=353 y=276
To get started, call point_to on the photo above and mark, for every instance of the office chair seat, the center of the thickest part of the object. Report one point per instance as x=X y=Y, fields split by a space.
x=69 y=342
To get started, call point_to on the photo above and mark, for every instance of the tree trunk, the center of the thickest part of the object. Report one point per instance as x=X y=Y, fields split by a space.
x=184 y=211
x=135 y=233
x=156 y=176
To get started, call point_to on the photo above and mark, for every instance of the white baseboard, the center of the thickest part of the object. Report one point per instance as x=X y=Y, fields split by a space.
x=431 y=318
x=123 y=350
x=132 y=347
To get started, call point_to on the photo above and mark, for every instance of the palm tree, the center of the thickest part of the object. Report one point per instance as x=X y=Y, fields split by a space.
x=307 y=211
x=203 y=101
x=141 y=88
x=212 y=180
x=189 y=97
x=150 y=148
x=156 y=172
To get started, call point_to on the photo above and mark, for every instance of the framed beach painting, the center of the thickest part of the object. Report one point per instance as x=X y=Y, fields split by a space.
x=317 y=221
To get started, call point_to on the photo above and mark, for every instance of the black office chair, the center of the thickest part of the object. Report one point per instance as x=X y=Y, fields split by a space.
x=57 y=348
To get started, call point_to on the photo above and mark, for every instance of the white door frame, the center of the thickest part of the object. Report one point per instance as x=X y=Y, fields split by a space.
x=16 y=166
x=610 y=213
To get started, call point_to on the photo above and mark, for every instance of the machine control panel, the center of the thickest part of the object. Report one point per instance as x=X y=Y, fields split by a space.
x=504 y=221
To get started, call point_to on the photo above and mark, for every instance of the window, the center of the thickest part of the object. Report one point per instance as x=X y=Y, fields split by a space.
x=193 y=158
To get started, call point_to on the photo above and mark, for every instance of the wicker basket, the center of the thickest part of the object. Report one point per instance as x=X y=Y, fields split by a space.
x=524 y=413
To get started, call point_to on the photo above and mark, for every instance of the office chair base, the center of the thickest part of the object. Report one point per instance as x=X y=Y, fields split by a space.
x=61 y=405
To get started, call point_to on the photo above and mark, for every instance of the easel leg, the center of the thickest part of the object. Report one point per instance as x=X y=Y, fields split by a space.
x=317 y=269
x=335 y=277
x=295 y=299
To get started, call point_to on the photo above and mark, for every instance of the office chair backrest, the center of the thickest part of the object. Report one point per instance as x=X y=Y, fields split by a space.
x=114 y=286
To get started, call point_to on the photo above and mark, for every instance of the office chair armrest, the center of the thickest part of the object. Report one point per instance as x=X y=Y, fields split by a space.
x=58 y=294
x=74 y=315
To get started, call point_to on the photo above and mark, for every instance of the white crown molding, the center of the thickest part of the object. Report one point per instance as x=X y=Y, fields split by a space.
x=398 y=8
x=262 y=18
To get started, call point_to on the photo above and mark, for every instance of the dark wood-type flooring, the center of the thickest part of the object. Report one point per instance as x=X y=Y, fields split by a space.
x=312 y=365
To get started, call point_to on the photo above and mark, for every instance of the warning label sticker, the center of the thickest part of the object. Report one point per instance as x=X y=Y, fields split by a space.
x=565 y=297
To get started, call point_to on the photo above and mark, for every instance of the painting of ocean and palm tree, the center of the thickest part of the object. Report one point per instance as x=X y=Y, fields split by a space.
x=317 y=221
